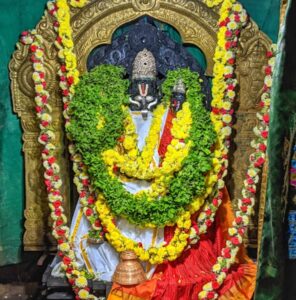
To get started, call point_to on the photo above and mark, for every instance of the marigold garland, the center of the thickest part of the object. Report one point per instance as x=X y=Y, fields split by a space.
x=246 y=204
x=78 y=3
x=232 y=18
x=223 y=91
x=140 y=165
x=133 y=162
x=212 y=3
x=69 y=76
x=155 y=255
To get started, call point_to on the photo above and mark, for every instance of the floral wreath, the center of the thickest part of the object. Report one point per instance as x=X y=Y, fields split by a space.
x=232 y=18
x=93 y=97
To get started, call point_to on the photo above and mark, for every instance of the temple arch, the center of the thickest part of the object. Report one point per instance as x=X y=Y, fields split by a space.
x=94 y=25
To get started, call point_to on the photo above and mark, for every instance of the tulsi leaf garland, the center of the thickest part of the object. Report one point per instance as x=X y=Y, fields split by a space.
x=94 y=97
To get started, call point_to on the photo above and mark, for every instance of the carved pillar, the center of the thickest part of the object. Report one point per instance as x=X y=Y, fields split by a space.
x=36 y=205
x=250 y=73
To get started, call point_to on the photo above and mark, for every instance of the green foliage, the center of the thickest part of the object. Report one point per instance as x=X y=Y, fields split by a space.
x=95 y=234
x=101 y=93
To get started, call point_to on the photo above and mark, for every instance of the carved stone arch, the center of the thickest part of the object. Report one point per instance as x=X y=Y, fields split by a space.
x=94 y=25
x=196 y=23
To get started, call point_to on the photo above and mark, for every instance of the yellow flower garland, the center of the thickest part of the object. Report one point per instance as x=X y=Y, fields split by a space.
x=219 y=84
x=154 y=255
x=78 y=3
x=212 y=3
x=133 y=162
x=65 y=32
x=179 y=242
x=139 y=165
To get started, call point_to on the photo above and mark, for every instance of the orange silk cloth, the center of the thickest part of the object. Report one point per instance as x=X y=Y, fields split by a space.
x=184 y=278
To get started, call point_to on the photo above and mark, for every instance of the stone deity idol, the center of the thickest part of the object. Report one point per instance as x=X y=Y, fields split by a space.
x=178 y=96
x=144 y=89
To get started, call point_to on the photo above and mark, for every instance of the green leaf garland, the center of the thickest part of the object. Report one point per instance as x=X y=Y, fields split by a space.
x=101 y=94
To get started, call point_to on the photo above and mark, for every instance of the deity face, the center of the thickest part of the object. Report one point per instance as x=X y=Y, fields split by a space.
x=143 y=88
x=178 y=95
x=143 y=95
x=177 y=101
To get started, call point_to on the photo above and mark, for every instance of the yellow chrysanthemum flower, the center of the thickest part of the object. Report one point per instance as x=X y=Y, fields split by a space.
x=216 y=267
x=39 y=88
x=202 y=294
x=83 y=294
x=38 y=67
x=78 y=3
x=232 y=25
x=237 y=7
x=227 y=118
x=81 y=282
x=268 y=81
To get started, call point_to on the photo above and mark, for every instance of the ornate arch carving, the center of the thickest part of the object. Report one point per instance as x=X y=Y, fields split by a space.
x=94 y=25
x=196 y=23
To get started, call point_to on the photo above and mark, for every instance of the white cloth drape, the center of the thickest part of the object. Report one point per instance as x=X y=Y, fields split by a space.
x=103 y=258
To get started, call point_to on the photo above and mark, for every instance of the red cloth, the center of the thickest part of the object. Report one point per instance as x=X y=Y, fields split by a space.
x=183 y=278
x=166 y=137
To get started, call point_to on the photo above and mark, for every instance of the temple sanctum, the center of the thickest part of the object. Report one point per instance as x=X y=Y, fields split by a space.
x=148 y=150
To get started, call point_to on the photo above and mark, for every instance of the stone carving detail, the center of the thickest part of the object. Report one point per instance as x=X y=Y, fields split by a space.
x=25 y=80
x=250 y=74
x=252 y=60
x=145 y=5
x=94 y=25
x=191 y=33
x=34 y=226
x=197 y=27
x=36 y=210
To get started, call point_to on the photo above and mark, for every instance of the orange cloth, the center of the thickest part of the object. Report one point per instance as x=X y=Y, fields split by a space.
x=183 y=279
x=142 y=291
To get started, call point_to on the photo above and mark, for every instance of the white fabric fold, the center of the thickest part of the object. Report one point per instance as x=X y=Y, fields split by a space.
x=103 y=258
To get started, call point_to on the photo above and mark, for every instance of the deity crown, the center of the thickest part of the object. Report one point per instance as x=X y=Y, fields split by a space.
x=144 y=65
